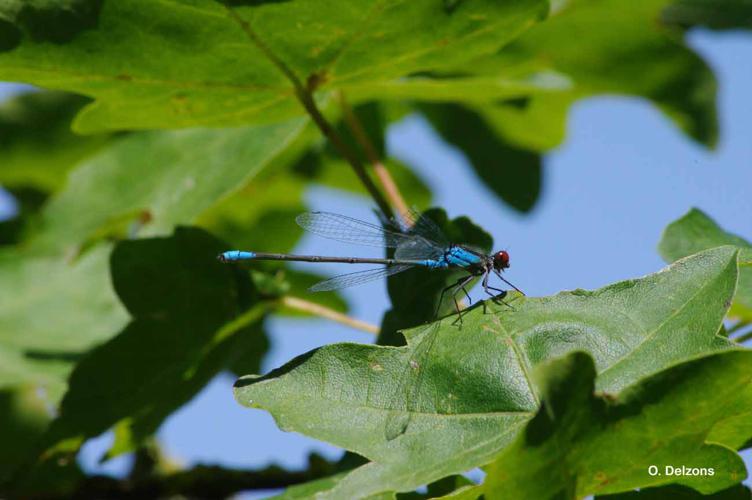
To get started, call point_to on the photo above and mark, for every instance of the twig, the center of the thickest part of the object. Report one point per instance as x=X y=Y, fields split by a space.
x=743 y=337
x=304 y=95
x=199 y=482
x=736 y=327
x=326 y=312
x=385 y=178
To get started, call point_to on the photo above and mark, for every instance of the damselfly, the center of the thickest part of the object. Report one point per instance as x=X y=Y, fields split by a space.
x=422 y=245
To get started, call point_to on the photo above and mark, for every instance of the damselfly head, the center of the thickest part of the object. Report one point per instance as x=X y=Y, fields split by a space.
x=501 y=260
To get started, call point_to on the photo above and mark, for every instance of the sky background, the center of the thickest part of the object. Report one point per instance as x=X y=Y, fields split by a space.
x=623 y=174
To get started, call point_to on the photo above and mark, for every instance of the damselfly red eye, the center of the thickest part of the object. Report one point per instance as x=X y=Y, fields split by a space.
x=501 y=260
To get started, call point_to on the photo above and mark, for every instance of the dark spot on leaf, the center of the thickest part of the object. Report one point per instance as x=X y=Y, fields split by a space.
x=727 y=304
x=10 y=35
x=451 y=5
x=145 y=217
x=249 y=3
x=315 y=81
x=516 y=103
x=445 y=75
x=49 y=355
x=125 y=78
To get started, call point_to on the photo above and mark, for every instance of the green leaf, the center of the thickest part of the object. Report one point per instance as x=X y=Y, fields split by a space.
x=694 y=232
x=37 y=147
x=714 y=14
x=584 y=443
x=157 y=180
x=46 y=324
x=212 y=72
x=186 y=327
x=607 y=47
x=513 y=174
x=633 y=329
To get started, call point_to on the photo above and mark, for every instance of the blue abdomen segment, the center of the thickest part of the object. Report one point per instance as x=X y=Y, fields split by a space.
x=435 y=263
x=455 y=256
x=236 y=255
x=460 y=257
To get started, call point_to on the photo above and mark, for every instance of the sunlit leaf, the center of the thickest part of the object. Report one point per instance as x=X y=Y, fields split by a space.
x=476 y=391
x=189 y=62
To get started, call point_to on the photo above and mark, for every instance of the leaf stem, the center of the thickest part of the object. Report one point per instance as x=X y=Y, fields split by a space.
x=328 y=313
x=305 y=96
x=736 y=327
x=201 y=481
x=385 y=178
x=743 y=337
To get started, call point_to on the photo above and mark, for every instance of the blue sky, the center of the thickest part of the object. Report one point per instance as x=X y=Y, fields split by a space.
x=621 y=176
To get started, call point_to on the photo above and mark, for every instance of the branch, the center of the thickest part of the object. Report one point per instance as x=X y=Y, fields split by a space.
x=304 y=95
x=325 y=312
x=743 y=337
x=201 y=481
x=387 y=182
x=736 y=327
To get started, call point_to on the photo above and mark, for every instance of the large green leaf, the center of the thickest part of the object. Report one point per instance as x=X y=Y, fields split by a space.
x=51 y=312
x=186 y=326
x=476 y=391
x=157 y=179
x=694 y=232
x=190 y=62
x=584 y=443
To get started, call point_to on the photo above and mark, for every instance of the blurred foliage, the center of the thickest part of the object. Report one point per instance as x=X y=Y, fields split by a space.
x=714 y=14
x=161 y=115
x=186 y=326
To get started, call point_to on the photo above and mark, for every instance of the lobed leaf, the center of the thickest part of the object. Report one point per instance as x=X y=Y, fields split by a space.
x=584 y=443
x=476 y=392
